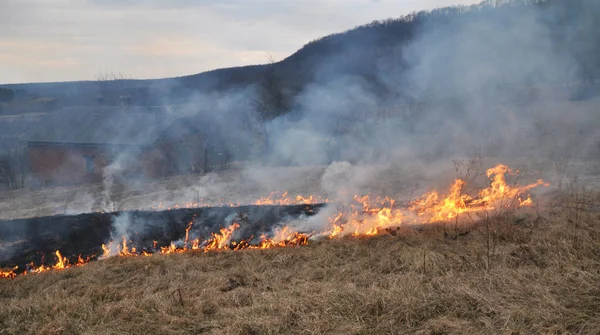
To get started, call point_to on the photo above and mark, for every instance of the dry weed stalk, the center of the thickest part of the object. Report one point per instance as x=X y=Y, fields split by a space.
x=467 y=171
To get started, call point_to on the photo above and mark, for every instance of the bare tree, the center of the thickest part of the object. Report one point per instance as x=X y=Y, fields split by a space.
x=110 y=77
x=13 y=166
x=111 y=85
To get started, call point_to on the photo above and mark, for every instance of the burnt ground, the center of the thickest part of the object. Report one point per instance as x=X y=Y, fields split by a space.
x=36 y=239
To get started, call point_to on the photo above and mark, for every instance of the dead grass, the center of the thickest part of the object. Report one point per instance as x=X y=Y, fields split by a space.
x=544 y=278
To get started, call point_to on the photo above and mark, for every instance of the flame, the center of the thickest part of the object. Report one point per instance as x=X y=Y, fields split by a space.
x=196 y=244
x=364 y=215
x=221 y=241
x=106 y=251
x=500 y=194
x=443 y=208
x=283 y=237
x=497 y=196
x=187 y=231
x=82 y=262
x=124 y=249
x=9 y=273
x=169 y=250
x=62 y=262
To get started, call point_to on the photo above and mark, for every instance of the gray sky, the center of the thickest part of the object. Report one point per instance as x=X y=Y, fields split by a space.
x=61 y=40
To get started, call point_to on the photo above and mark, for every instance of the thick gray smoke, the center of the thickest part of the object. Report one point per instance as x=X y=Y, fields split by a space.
x=489 y=81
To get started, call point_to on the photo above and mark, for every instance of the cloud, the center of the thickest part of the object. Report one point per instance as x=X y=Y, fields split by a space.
x=134 y=36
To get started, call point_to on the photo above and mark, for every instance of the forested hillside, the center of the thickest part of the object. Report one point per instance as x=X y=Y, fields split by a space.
x=367 y=51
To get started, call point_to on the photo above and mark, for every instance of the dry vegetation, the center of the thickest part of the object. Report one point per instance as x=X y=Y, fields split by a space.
x=544 y=277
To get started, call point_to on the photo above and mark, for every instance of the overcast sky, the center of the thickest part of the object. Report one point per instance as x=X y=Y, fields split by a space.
x=61 y=40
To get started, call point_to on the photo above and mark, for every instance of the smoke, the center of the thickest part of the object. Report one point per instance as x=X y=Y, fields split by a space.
x=6 y=251
x=341 y=180
x=109 y=173
x=492 y=80
x=121 y=226
x=311 y=224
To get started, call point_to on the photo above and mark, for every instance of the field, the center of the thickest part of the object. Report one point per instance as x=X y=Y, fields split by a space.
x=533 y=272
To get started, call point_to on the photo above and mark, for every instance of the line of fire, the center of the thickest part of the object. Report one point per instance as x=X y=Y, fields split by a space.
x=60 y=242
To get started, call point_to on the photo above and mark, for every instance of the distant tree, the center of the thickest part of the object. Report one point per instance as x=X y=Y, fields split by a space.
x=6 y=94
x=111 y=85
x=13 y=166
x=110 y=78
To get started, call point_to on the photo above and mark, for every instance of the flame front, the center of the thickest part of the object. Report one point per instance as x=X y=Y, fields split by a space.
x=363 y=216
x=499 y=195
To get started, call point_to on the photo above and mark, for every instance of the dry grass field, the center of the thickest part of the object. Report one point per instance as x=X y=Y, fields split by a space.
x=535 y=272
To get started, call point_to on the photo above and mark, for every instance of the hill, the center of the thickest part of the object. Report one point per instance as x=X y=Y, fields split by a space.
x=370 y=51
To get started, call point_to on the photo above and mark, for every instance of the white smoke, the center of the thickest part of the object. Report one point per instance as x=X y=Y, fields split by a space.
x=120 y=231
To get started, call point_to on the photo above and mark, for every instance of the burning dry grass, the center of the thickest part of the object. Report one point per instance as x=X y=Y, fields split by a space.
x=542 y=276
x=365 y=217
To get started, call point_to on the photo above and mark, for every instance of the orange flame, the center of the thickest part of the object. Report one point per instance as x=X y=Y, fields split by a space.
x=62 y=262
x=187 y=231
x=106 y=251
x=283 y=237
x=221 y=241
x=498 y=195
x=365 y=217
x=9 y=274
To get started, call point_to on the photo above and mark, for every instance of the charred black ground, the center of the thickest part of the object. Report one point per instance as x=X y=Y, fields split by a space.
x=36 y=239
